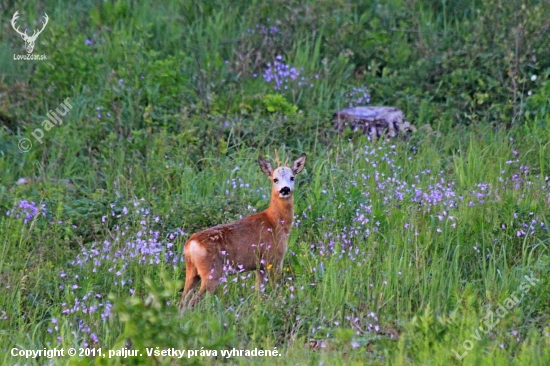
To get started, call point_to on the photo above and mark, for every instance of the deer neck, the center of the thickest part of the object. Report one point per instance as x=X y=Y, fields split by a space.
x=281 y=212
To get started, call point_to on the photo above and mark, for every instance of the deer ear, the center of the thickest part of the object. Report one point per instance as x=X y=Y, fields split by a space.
x=299 y=164
x=265 y=165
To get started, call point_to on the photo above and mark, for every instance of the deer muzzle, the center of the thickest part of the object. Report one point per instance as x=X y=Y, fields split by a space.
x=285 y=191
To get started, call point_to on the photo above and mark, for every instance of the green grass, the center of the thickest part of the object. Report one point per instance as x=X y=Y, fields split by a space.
x=401 y=249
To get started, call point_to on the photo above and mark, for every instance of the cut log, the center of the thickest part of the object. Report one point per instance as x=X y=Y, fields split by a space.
x=375 y=122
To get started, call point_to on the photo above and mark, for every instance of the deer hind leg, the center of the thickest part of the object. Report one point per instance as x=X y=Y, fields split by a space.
x=191 y=281
x=209 y=281
x=198 y=296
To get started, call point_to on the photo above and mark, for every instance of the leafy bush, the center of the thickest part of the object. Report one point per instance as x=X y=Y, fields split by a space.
x=276 y=103
x=149 y=326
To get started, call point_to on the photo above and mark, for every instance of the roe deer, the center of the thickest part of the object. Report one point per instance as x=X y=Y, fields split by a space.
x=257 y=242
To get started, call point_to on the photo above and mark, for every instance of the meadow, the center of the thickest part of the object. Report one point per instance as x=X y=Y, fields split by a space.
x=429 y=250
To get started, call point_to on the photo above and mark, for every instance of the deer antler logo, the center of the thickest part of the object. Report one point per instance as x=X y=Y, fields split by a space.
x=29 y=40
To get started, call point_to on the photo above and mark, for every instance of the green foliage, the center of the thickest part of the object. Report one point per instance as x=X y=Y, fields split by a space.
x=171 y=110
x=538 y=103
x=276 y=103
x=148 y=325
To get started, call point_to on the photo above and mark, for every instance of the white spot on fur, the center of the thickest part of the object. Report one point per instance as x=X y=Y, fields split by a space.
x=195 y=250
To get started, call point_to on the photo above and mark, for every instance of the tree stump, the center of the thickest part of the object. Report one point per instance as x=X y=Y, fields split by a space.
x=374 y=122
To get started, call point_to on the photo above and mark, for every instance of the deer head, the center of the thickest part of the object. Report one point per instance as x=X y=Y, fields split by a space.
x=283 y=176
x=29 y=40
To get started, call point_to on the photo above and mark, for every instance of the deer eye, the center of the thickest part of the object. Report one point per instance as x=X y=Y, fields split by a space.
x=275 y=180
x=292 y=179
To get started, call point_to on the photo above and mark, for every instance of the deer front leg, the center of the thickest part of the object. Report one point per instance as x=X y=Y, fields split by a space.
x=261 y=278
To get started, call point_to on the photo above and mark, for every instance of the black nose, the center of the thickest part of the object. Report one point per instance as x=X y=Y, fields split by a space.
x=284 y=191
